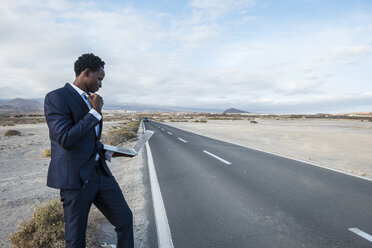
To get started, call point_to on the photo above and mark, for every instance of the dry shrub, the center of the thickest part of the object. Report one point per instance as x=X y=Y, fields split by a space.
x=46 y=228
x=46 y=153
x=119 y=135
x=133 y=126
x=116 y=137
x=12 y=132
x=201 y=121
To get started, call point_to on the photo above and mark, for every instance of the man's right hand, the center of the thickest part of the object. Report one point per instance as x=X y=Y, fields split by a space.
x=97 y=102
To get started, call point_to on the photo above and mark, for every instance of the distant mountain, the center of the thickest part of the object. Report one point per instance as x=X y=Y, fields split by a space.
x=19 y=105
x=234 y=111
x=154 y=108
x=35 y=105
x=4 y=100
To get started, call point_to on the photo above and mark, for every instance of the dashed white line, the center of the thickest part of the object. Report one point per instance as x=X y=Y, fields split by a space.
x=283 y=156
x=169 y=133
x=182 y=140
x=361 y=233
x=215 y=156
x=162 y=129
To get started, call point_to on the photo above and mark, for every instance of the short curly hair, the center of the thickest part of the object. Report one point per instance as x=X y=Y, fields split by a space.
x=88 y=60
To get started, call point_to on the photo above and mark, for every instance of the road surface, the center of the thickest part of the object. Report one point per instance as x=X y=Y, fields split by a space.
x=218 y=194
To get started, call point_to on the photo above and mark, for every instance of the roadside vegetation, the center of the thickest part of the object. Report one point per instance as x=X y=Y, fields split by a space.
x=122 y=133
x=46 y=153
x=12 y=133
x=116 y=115
x=46 y=228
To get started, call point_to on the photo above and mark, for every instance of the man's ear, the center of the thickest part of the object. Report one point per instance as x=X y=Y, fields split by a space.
x=86 y=72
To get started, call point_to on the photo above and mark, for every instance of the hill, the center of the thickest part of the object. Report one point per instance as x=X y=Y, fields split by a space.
x=234 y=111
x=19 y=105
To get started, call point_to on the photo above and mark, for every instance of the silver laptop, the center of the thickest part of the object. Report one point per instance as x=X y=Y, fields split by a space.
x=132 y=151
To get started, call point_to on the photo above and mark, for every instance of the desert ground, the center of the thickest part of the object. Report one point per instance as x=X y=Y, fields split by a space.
x=23 y=182
x=339 y=144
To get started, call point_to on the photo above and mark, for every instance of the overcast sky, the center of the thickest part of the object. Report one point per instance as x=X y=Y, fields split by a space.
x=278 y=56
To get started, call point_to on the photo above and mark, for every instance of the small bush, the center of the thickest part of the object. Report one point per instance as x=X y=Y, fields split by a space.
x=45 y=229
x=116 y=137
x=12 y=133
x=236 y=118
x=46 y=153
x=121 y=134
x=133 y=126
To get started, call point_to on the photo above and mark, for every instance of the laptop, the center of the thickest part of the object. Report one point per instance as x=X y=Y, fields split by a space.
x=132 y=151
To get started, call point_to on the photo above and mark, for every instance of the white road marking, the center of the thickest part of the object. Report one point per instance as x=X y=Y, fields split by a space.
x=161 y=220
x=361 y=233
x=169 y=133
x=182 y=140
x=162 y=129
x=283 y=156
x=215 y=156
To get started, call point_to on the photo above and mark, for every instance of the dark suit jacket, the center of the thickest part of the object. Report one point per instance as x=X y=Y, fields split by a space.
x=74 y=144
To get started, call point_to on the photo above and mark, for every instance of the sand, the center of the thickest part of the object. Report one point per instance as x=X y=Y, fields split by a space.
x=340 y=144
x=23 y=182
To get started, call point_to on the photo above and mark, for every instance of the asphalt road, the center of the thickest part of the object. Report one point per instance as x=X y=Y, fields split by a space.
x=217 y=194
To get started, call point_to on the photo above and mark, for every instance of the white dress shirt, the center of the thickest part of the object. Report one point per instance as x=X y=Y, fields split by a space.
x=108 y=154
x=91 y=111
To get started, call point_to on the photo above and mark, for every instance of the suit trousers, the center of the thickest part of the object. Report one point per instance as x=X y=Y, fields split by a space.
x=104 y=192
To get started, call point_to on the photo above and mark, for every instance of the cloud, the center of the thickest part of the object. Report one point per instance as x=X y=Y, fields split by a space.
x=217 y=8
x=187 y=59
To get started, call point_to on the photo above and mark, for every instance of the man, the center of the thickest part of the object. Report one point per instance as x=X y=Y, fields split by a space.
x=78 y=167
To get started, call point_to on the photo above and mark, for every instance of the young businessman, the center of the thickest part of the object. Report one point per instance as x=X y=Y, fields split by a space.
x=78 y=166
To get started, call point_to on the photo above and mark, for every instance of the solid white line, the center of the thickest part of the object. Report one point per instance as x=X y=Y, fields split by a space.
x=161 y=220
x=169 y=133
x=361 y=233
x=215 y=156
x=283 y=156
x=182 y=140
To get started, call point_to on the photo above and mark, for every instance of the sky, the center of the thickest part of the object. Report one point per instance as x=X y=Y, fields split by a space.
x=278 y=56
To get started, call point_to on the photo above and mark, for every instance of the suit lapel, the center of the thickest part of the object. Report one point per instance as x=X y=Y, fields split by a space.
x=77 y=97
x=82 y=104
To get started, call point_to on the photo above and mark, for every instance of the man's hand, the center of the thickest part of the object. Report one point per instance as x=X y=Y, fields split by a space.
x=117 y=154
x=96 y=101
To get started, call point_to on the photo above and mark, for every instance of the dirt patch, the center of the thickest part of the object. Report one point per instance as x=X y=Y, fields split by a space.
x=23 y=181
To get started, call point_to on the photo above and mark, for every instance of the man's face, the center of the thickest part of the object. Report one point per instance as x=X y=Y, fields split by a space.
x=94 y=80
